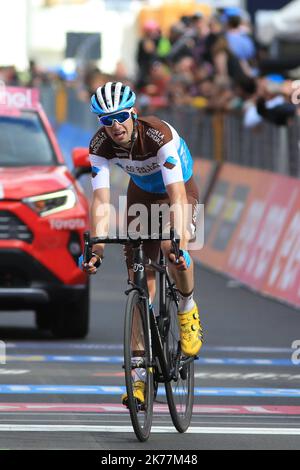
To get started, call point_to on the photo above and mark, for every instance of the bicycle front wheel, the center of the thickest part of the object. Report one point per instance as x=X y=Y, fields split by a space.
x=180 y=393
x=137 y=364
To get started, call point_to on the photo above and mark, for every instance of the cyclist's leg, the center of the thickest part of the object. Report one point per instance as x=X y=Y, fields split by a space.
x=191 y=329
x=139 y=375
x=151 y=275
x=137 y=196
x=185 y=279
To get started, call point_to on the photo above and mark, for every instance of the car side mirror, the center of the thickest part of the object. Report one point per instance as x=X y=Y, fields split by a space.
x=80 y=157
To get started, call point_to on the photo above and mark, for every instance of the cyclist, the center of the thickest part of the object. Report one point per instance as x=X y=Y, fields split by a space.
x=160 y=167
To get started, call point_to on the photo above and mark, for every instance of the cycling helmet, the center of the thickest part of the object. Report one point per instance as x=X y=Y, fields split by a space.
x=112 y=97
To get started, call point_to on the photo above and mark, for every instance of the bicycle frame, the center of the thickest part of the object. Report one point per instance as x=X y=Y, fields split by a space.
x=140 y=264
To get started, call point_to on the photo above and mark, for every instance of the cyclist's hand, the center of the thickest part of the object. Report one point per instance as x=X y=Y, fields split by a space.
x=183 y=262
x=92 y=266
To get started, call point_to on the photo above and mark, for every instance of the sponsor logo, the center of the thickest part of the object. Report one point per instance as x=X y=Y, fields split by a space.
x=286 y=266
x=17 y=98
x=95 y=171
x=98 y=141
x=146 y=169
x=296 y=353
x=71 y=224
x=156 y=136
x=170 y=163
x=138 y=267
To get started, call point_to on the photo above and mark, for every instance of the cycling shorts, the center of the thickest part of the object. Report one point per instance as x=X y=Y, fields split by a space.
x=136 y=195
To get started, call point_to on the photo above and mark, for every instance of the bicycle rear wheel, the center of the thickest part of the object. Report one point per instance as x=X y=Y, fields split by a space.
x=180 y=393
x=137 y=345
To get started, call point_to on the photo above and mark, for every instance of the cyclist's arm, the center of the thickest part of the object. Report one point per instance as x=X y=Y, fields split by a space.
x=178 y=201
x=100 y=217
x=172 y=174
x=100 y=202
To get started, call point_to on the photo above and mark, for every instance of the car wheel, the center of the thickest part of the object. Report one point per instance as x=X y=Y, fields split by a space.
x=71 y=319
x=43 y=317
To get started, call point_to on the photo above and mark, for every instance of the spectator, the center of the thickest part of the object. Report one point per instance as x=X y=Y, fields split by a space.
x=201 y=32
x=215 y=32
x=272 y=104
x=9 y=75
x=147 y=50
x=182 y=41
x=227 y=65
x=239 y=42
x=179 y=91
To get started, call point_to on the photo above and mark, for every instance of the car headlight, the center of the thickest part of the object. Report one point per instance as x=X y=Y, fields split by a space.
x=51 y=203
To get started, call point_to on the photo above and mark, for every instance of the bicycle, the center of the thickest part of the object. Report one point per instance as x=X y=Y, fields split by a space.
x=157 y=342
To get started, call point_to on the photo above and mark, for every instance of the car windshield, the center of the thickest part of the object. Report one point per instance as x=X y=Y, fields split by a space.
x=23 y=141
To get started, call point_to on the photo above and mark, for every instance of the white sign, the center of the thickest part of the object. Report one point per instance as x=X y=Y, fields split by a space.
x=18 y=98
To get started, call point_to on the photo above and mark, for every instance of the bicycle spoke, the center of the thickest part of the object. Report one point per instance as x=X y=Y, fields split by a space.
x=180 y=393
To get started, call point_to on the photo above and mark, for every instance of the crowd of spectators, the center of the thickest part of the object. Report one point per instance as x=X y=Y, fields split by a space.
x=215 y=64
x=210 y=63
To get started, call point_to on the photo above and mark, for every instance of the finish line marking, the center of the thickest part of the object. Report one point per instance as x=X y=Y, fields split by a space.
x=117 y=346
x=155 y=429
x=117 y=390
x=158 y=408
x=119 y=360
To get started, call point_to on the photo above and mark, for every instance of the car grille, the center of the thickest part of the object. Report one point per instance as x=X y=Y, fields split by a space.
x=12 y=228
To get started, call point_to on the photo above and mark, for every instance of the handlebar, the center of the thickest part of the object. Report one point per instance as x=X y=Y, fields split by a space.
x=90 y=241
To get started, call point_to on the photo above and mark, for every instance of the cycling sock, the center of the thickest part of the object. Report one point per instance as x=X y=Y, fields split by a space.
x=186 y=303
x=139 y=373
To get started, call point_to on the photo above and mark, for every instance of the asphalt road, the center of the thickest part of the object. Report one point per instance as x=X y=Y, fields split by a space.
x=66 y=395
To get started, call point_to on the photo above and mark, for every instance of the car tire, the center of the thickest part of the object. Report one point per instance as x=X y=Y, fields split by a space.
x=43 y=317
x=70 y=320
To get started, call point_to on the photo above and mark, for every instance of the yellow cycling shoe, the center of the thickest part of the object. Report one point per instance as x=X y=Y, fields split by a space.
x=138 y=393
x=191 y=332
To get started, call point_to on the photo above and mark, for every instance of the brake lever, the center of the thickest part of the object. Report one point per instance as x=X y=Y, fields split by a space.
x=175 y=246
x=87 y=250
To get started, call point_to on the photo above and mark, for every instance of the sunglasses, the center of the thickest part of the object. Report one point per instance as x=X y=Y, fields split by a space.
x=120 y=117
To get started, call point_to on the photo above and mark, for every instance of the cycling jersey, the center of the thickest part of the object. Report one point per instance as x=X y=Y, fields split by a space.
x=159 y=157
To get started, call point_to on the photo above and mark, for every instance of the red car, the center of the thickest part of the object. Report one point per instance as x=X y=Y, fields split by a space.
x=43 y=214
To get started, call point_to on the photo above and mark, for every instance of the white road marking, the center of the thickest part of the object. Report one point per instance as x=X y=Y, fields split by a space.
x=117 y=346
x=13 y=371
x=155 y=429
x=240 y=376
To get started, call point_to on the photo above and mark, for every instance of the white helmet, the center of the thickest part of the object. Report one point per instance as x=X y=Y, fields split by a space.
x=112 y=97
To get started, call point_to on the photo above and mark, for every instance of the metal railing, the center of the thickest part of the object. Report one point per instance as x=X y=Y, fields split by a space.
x=219 y=136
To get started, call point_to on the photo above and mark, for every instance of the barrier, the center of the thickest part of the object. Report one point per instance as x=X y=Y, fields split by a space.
x=216 y=136
x=203 y=174
x=252 y=224
x=252 y=231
